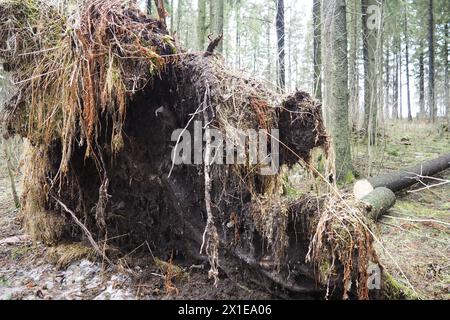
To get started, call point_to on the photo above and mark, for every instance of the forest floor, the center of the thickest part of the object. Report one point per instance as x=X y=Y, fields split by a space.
x=415 y=233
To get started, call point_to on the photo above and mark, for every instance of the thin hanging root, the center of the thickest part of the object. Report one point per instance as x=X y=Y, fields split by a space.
x=85 y=230
x=210 y=235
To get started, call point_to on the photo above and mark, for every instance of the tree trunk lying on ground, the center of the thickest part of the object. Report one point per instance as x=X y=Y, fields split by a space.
x=378 y=192
x=378 y=202
x=399 y=180
x=100 y=119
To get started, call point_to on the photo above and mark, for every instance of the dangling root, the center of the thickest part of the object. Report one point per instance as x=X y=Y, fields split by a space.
x=342 y=245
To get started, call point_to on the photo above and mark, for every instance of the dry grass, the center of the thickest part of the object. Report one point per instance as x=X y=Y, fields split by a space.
x=64 y=254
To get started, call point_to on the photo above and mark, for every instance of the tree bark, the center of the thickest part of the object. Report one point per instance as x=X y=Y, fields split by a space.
x=370 y=38
x=378 y=202
x=171 y=17
x=408 y=97
x=220 y=19
x=179 y=14
x=395 y=85
x=317 y=50
x=335 y=77
x=238 y=34
x=353 y=60
x=281 y=74
x=387 y=81
x=399 y=180
x=421 y=81
x=212 y=16
x=446 y=76
x=201 y=28
x=431 y=93
x=400 y=79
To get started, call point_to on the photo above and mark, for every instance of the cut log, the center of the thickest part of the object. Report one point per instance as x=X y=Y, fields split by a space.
x=402 y=179
x=378 y=202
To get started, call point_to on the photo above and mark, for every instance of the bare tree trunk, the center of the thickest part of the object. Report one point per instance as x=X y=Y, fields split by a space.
x=400 y=79
x=238 y=34
x=431 y=93
x=220 y=19
x=281 y=74
x=370 y=38
x=335 y=77
x=212 y=16
x=446 y=77
x=201 y=28
x=179 y=14
x=317 y=50
x=172 y=11
x=395 y=85
x=269 y=44
x=421 y=81
x=387 y=82
x=407 y=66
x=353 y=69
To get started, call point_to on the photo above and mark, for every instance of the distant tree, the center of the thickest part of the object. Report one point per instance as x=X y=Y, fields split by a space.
x=317 y=49
x=353 y=38
x=201 y=25
x=370 y=27
x=446 y=75
x=431 y=93
x=406 y=35
x=220 y=22
x=281 y=74
x=212 y=16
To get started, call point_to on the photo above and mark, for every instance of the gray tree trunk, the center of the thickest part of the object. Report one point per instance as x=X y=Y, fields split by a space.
x=212 y=16
x=335 y=80
x=446 y=76
x=421 y=81
x=387 y=83
x=238 y=34
x=400 y=79
x=220 y=22
x=317 y=50
x=281 y=73
x=408 y=97
x=201 y=27
x=179 y=15
x=370 y=38
x=399 y=180
x=352 y=62
x=378 y=202
x=431 y=93
x=395 y=85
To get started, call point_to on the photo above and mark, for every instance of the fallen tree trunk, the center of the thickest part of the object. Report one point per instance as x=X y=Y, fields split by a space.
x=402 y=179
x=378 y=202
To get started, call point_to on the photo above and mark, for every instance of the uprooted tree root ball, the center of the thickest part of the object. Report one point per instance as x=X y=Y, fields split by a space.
x=101 y=88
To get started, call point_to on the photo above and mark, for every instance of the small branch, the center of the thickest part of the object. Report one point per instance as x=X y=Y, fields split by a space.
x=420 y=177
x=85 y=230
x=419 y=220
